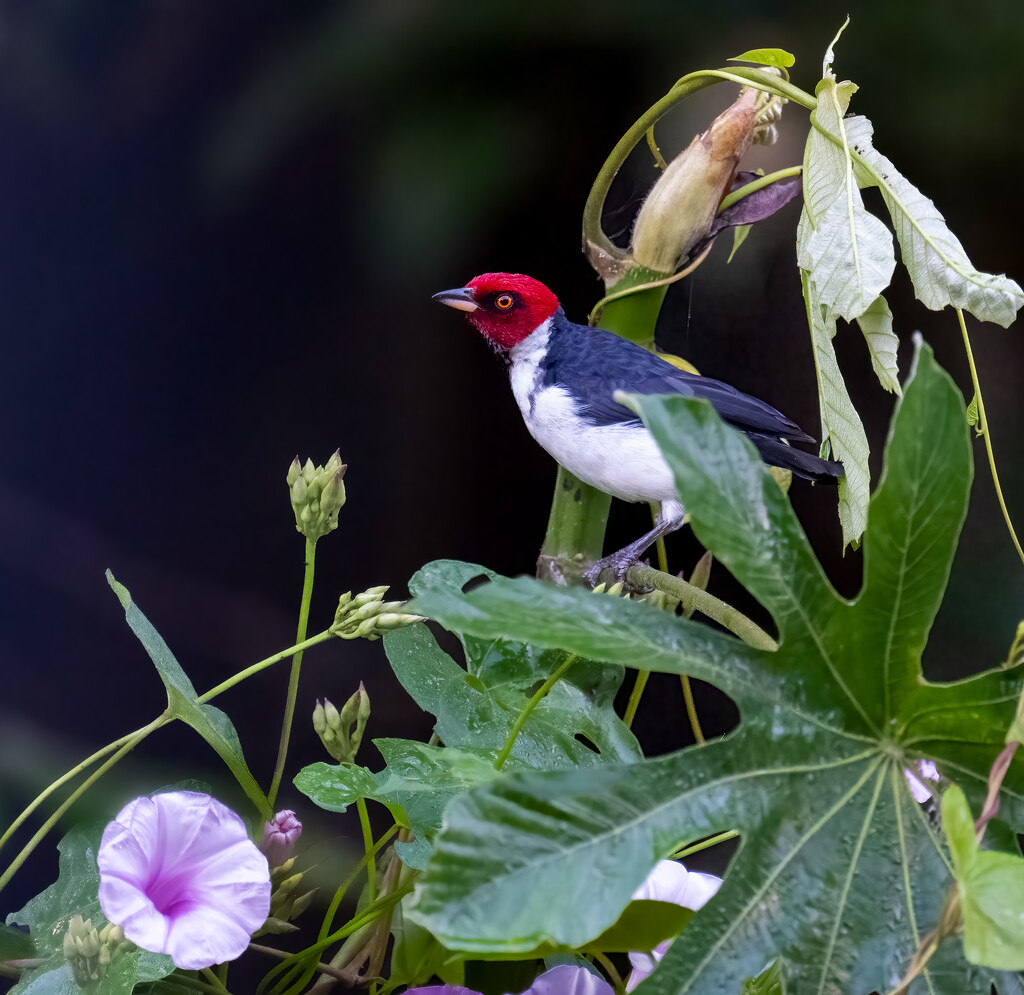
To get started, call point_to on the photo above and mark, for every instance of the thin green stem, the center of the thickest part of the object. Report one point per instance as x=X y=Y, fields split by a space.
x=613 y=975
x=537 y=698
x=325 y=927
x=736 y=622
x=191 y=984
x=63 y=779
x=686 y=851
x=320 y=637
x=691 y=709
x=760 y=183
x=634 y=697
x=124 y=750
x=371 y=864
x=293 y=677
x=593 y=234
x=216 y=983
x=983 y=424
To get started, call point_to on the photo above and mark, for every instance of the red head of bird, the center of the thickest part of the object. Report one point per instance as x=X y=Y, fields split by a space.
x=504 y=307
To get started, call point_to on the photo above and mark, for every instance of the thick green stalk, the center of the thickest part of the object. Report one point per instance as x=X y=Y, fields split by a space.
x=293 y=677
x=694 y=599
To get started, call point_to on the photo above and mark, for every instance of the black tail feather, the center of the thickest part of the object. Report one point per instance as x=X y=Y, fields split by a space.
x=776 y=453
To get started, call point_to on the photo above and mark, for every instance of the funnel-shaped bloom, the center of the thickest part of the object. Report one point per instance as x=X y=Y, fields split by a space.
x=180 y=875
x=566 y=979
x=670 y=881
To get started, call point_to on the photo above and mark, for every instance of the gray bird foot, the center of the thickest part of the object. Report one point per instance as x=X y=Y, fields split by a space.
x=611 y=569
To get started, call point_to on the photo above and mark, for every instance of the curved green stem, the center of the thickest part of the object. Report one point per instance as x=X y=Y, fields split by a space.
x=983 y=424
x=320 y=637
x=538 y=697
x=293 y=677
x=634 y=698
x=759 y=184
x=593 y=234
x=693 y=598
x=371 y=865
x=705 y=844
x=63 y=779
x=325 y=926
x=124 y=750
x=216 y=984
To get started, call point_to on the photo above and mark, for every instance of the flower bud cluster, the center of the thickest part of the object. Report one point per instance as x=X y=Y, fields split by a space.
x=90 y=951
x=342 y=732
x=286 y=903
x=317 y=494
x=368 y=614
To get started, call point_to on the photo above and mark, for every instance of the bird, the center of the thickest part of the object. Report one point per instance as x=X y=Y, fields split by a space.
x=564 y=377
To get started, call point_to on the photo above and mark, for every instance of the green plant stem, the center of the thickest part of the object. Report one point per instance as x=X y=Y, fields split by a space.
x=321 y=967
x=983 y=423
x=754 y=185
x=538 y=697
x=293 y=677
x=325 y=926
x=216 y=984
x=634 y=697
x=123 y=751
x=63 y=779
x=613 y=975
x=320 y=637
x=192 y=984
x=760 y=79
x=371 y=864
x=691 y=709
x=693 y=598
x=293 y=966
x=705 y=844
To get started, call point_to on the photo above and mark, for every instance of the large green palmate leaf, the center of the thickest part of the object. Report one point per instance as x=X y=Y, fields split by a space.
x=575 y=725
x=839 y=871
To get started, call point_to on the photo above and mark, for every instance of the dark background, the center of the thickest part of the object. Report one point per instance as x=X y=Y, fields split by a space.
x=220 y=227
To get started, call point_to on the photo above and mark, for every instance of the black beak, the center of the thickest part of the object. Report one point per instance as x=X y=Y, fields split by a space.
x=461 y=298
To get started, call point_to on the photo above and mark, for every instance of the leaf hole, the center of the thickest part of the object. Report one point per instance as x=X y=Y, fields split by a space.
x=588 y=743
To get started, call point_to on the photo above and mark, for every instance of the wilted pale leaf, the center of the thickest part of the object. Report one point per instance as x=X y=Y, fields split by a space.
x=876 y=324
x=943 y=275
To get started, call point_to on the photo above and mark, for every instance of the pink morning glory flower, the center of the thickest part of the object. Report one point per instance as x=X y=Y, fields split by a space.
x=280 y=836
x=566 y=979
x=670 y=881
x=180 y=876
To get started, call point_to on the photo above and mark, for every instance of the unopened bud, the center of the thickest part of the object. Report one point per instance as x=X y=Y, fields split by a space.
x=279 y=837
x=317 y=494
x=327 y=725
x=89 y=951
x=678 y=211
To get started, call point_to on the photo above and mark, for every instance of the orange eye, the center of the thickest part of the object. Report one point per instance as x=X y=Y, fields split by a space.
x=505 y=301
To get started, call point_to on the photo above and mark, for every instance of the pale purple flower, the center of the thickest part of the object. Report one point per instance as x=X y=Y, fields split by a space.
x=280 y=836
x=670 y=881
x=566 y=979
x=925 y=769
x=180 y=876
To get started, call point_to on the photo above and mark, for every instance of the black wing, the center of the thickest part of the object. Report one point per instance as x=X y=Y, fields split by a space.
x=593 y=364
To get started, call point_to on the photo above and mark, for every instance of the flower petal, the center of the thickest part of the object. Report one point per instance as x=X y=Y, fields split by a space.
x=568 y=979
x=180 y=875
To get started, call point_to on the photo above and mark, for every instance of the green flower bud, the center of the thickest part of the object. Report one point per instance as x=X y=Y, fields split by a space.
x=317 y=494
x=327 y=724
x=90 y=952
x=678 y=211
x=366 y=613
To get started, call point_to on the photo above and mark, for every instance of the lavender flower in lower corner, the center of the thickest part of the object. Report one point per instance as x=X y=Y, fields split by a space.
x=566 y=979
x=180 y=876
x=670 y=881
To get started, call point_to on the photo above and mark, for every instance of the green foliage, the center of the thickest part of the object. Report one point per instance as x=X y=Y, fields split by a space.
x=767 y=57
x=50 y=912
x=991 y=890
x=833 y=844
x=210 y=722
x=477 y=706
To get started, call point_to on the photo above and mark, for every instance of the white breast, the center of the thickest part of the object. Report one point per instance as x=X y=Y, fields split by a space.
x=621 y=460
